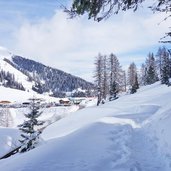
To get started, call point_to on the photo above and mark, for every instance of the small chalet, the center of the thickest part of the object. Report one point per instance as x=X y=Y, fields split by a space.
x=65 y=102
x=5 y=102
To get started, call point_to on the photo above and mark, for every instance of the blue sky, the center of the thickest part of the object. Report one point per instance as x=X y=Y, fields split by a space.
x=14 y=12
x=39 y=30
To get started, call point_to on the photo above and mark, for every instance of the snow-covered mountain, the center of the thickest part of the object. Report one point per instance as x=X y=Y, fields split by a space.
x=25 y=74
x=10 y=76
x=131 y=133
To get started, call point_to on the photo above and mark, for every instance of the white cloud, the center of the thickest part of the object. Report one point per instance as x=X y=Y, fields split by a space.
x=71 y=45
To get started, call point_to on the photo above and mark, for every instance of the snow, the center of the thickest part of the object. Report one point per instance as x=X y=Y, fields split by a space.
x=5 y=66
x=19 y=96
x=49 y=115
x=20 y=77
x=8 y=140
x=131 y=133
x=88 y=102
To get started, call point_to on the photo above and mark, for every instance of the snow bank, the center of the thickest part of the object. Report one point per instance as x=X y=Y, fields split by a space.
x=131 y=133
x=49 y=114
x=139 y=103
x=158 y=128
x=90 y=148
x=88 y=102
x=8 y=140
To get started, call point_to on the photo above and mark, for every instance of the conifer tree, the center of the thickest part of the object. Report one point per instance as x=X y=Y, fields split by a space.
x=165 y=69
x=114 y=89
x=116 y=75
x=133 y=78
x=30 y=134
x=151 y=71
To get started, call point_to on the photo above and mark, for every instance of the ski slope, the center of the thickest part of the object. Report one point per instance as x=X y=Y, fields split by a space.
x=131 y=133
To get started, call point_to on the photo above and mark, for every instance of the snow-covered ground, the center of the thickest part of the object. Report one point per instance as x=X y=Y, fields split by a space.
x=9 y=136
x=8 y=139
x=49 y=115
x=131 y=133
x=19 y=96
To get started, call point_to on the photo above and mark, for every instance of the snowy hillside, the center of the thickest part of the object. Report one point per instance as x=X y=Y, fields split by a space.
x=19 y=96
x=19 y=77
x=51 y=79
x=28 y=75
x=131 y=133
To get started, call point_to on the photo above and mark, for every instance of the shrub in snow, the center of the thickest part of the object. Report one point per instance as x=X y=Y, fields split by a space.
x=133 y=89
x=30 y=133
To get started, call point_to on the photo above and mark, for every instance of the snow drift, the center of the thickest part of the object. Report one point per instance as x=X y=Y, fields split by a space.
x=131 y=133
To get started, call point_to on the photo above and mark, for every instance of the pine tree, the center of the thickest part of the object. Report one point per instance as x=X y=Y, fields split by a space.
x=131 y=74
x=30 y=134
x=116 y=75
x=1 y=77
x=133 y=78
x=151 y=71
x=114 y=89
x=165 y=69
x=136 y=84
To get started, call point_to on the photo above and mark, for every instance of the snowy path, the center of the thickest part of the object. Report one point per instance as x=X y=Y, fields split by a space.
x=144 y=153
x=121 y=144
x=141 y=152
x=129 y=134
x=112 y=143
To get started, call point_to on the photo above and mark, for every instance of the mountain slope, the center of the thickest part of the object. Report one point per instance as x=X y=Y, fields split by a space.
x=131 y=133
x=51 y=79
x=10 y=76
x=25 y=74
